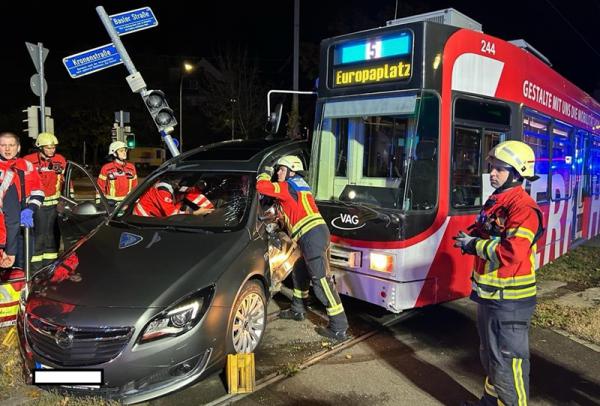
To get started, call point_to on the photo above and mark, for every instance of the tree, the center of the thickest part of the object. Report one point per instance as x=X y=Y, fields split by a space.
x=234 y=101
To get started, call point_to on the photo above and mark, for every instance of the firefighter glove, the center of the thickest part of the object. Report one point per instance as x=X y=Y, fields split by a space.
x=27 y=218
x=466 y=243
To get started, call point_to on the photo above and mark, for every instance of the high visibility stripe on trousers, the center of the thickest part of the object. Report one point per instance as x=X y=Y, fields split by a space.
x=518 y=380
x=300 y=294
x=334 y=307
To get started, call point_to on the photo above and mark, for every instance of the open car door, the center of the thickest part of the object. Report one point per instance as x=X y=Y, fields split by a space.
x=282 y=251
x=82 y=206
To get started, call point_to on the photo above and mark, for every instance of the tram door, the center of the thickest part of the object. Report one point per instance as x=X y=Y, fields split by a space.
x=478 y=127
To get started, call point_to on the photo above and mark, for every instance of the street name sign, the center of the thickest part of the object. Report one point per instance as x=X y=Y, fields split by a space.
x=133 y=20
x=92 y=60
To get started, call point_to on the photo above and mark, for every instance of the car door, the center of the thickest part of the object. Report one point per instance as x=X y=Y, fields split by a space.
x=82 y=206
x=282 y=251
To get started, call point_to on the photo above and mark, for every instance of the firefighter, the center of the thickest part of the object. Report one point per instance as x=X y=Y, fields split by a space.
x=51 y=167
x=161 y=201
x=503 y=241
x=28 y=187
x=118 y=177
x=306 y=226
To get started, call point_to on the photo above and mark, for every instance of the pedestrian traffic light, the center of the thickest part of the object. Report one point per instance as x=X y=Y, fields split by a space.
x=130 y=140
x=33 y=127
x=157 y=105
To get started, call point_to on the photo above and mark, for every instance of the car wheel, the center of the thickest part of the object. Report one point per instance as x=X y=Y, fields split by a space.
x=249 y=318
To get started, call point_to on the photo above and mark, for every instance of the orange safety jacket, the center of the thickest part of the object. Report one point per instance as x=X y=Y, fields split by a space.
x=297 y=203
x=192 y=199
x=116 y=180
x=27 y=181
x=158 y=201
x=51 y=172
x=507 y=229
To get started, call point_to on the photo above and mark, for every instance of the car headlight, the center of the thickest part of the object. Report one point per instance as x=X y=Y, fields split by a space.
x=178 y=318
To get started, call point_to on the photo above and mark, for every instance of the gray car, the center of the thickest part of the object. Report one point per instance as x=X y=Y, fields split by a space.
x=157 y=303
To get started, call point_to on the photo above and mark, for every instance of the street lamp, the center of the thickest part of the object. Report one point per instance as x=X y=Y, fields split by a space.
x=187 y=68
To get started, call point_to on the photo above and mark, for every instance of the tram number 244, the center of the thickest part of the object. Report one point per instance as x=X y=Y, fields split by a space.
x=488 y=47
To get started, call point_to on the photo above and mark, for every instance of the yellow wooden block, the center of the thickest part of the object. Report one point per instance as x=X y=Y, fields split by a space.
x=240 y=373
x=11 y=337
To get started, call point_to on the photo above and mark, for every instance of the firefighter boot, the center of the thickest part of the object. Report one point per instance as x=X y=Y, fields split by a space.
x=331 y=334
x=289 y=314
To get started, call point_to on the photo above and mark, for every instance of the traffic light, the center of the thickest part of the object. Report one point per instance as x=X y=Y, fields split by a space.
x=33 y=127
x=130 y=140
x=159 y=109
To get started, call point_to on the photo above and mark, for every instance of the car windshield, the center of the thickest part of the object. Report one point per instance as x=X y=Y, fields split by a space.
x=185 y=199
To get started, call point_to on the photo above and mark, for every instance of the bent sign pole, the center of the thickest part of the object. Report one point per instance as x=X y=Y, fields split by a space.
x=134 y=79
x=106 y=56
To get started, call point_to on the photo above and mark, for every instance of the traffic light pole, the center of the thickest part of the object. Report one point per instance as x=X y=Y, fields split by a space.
x=116 y=40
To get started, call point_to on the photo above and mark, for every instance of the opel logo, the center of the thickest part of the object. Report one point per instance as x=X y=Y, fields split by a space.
x=63 y=338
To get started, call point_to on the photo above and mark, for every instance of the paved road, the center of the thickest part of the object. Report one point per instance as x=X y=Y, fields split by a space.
x=429 y=358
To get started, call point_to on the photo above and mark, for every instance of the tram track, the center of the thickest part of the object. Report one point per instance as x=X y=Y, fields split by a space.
x=313 y=359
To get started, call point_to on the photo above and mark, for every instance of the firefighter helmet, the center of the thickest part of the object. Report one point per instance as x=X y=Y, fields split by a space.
x=45 y=139
x=517 y=155
x=292 y=162
x=115 y=146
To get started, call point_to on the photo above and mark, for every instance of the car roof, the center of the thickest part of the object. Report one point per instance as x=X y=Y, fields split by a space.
x=244 y=155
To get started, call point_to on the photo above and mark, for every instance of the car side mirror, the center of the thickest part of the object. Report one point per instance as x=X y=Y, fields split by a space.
x=87 y=209
x=274 y=120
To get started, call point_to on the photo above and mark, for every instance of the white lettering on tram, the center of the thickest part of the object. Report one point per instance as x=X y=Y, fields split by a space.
x=594 y=227
x=568 y=223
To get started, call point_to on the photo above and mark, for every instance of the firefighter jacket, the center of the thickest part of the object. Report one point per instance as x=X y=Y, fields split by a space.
x=51 y=172
x=27 y=181
x=507 y=229
x=297 y=203
x=10 y=209
x=158 y=201
x=116 y=180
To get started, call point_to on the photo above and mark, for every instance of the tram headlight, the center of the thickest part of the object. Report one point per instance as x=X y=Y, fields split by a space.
x=381 y=262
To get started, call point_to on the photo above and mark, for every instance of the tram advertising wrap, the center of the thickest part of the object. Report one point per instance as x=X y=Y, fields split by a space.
x=380 y=59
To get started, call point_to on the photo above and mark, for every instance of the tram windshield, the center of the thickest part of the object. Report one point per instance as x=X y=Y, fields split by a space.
x=380 y=152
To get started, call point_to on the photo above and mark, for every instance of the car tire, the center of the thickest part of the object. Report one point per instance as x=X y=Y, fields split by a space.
x=248 y=320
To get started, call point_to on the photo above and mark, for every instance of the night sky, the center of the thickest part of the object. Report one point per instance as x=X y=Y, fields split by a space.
x=567 y=32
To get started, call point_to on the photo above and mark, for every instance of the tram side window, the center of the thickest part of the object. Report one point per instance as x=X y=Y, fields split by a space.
x=562 y=161
x=593 y=184
x=535 y=134
x=466 y=181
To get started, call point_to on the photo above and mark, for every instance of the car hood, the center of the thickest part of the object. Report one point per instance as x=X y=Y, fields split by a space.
x=121 y=267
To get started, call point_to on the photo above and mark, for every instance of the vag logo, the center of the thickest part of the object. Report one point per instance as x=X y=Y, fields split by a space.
x=346 y=221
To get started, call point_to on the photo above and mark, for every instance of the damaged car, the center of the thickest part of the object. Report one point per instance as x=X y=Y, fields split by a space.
x=157 y=300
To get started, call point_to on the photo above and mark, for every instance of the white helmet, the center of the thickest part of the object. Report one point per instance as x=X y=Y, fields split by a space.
x=114 y=146
x=292 y=162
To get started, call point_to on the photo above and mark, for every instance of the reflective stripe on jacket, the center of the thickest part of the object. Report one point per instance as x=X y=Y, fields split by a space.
x=51 y=172
x=117 y=180
x=158 y=201
x=297 y=203
x=506 y=230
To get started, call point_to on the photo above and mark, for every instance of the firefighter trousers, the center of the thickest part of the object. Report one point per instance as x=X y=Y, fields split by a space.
x=47 y=237
x=504 y=350
x=314 y=266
